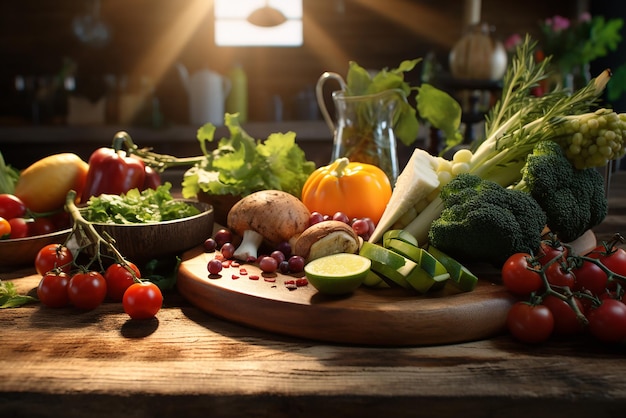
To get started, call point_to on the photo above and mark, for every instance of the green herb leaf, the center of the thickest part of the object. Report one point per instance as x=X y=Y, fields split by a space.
x=162 y=272
x=9 y=298
x=134 y=207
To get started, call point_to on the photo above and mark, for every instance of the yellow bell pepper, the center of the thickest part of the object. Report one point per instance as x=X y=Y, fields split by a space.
x=43 y=186
x=358 y=190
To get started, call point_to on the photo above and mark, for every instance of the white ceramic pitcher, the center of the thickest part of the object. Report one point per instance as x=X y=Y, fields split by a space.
x=207 y=92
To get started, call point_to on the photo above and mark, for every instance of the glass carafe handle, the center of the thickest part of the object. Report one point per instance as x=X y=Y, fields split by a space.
x=319 y=94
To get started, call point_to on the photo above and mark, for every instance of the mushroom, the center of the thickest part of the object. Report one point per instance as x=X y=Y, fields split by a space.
x=270 y=216
x=326 y=238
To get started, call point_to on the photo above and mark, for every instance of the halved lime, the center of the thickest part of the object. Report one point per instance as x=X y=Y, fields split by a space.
x=337 y=274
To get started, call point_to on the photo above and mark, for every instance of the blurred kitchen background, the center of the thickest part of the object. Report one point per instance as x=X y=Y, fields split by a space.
x=74 y=71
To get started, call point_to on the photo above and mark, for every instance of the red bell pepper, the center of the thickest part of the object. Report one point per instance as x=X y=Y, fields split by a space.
x=152 y=180
x=113 y=171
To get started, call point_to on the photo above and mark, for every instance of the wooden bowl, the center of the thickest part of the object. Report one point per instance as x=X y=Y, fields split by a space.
x=221 y=204
x=22 y=251
x=140 y=243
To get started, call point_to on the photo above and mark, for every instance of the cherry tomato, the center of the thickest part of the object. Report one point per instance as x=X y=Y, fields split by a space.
x=11 y=206
x=119 y=279
x=142 y=300
x=53 y=256
x=590 y=277
x=530 y=323
x=558 y=275
x=607 y=322
x=87 y=289
x=614 y=259
x=19 y=227
x=565 y=320
x=519 y=277
x=5 y=229
x=549 y=249
x=52 y=289
x=41 y=226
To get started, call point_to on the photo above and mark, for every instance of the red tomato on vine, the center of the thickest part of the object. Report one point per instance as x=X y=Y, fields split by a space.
x=142 y=300
x=520 y=276
x=530 y=323
x=87 y=289
x=53 y=256
x=52 y=289
x=607 y=322
x=118 y=279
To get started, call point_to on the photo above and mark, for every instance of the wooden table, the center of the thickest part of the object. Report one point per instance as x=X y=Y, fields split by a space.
x=186 y=363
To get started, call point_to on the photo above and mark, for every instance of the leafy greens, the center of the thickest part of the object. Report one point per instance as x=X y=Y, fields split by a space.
x=241 y=165
x=433 y=105
x=133 y=207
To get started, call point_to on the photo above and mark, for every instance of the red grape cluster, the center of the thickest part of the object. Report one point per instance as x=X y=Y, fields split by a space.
x=280 y=259
x=363 y=227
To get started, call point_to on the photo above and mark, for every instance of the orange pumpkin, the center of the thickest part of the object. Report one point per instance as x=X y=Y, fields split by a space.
x=357 y=189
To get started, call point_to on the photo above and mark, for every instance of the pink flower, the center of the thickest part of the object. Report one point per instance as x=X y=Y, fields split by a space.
x=512 y=42
x=558 y=23
x=584 y=17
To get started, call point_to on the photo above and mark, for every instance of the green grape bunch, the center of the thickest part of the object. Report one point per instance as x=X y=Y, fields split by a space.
x=592 y=139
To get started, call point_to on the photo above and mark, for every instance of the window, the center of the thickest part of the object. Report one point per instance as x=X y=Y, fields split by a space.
x=232 y=27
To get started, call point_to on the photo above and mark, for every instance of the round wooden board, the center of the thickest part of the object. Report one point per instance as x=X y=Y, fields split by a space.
x=378 y=317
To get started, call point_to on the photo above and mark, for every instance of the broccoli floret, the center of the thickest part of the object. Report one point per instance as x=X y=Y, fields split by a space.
x=485 y=222
x=573 y=199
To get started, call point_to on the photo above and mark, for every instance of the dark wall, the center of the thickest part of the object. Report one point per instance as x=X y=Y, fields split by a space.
x=149 y=36
x=615 y=58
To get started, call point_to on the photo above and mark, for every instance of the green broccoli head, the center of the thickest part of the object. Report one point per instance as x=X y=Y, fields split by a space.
x=485 y=222
x=573 y=199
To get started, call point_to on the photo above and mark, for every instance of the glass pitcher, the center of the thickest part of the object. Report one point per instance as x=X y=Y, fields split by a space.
x=364 y=126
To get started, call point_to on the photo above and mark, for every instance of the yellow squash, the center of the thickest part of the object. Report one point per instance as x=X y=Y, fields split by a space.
x=43 y=186
x=359 y=190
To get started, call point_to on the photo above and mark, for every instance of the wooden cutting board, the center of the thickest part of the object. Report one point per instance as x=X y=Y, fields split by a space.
x=379 y=317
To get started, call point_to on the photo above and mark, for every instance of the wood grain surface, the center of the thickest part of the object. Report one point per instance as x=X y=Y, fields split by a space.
x=68 y=363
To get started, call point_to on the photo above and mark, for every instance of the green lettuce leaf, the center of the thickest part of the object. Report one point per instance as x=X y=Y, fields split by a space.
x=241 y=165
x=134 y=207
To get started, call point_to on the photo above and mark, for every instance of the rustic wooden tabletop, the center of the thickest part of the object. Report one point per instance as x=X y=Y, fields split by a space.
x=186 y=363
